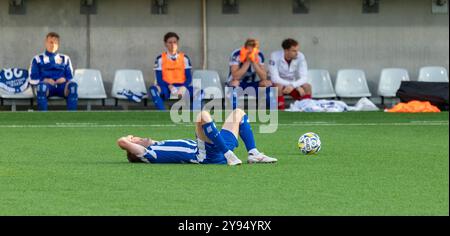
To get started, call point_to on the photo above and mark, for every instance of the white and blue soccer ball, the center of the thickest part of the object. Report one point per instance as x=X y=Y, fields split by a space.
x=309 y=143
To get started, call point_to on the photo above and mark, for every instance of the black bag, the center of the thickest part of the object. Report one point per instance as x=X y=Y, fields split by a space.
x=434 y=92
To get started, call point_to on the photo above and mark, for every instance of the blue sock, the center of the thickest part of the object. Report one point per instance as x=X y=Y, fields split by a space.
x=271 y=101
x=213 y=134
x=72 y=97
x=233 y=98
x=246 y=134
x=157 y=100
x=196 y=98
x=41 y=96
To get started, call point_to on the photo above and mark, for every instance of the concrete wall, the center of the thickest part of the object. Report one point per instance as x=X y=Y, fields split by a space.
x=334 y=35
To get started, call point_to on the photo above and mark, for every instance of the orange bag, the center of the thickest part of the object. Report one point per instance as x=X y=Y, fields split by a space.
x=414 y=106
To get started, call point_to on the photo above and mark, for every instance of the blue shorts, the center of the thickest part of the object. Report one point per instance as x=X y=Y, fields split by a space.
x=213 y=155
x=57 y=90
x=245 y=85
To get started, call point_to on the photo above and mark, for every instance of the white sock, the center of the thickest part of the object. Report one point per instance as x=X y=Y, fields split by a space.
x=253 y=151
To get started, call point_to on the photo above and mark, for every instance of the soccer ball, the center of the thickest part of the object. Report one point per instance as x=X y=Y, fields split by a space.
x=309 y=143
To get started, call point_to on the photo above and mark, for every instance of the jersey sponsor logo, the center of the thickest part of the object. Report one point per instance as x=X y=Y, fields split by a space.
x=271 y=62
x=46 y=59
x=58 y=60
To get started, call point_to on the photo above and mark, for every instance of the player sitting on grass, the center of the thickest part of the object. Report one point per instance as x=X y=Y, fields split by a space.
x=211 y=147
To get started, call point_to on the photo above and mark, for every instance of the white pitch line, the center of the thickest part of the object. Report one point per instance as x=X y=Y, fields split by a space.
x=95 y=125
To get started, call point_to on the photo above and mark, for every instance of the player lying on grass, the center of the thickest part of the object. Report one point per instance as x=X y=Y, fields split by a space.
x=211 y=147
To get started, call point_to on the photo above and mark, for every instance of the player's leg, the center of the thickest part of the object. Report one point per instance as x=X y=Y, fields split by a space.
x=302 y=92
x=280 y=98
x=195 y=98
x=237 y=123
x=42 y=92
x=71 y=95
x=305 y=91
x=270 y=96
x=156 y=92
x=233 y=85
x=207 y=131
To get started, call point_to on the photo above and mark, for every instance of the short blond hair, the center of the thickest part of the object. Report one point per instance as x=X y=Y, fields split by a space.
x=251 y=43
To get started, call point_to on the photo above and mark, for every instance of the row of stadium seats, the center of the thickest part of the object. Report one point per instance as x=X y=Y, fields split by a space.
x=350 y=83
x=353 y=84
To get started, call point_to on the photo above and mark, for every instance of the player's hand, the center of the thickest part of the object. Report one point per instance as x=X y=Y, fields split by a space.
x=288 y=89
x=49 y=81
x=265 y=83
x=147 y=142
x=248 y=58
x=181 y=91
x=234 y=83
x=61 y=80
x=173 y=89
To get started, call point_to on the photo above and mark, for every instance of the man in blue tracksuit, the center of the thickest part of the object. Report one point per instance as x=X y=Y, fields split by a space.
x=52 y=73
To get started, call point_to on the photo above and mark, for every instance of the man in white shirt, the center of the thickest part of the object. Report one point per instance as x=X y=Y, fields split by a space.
x=288 y=71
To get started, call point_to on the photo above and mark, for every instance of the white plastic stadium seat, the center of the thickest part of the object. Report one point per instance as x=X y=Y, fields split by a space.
x=210 y=83
x=351 y=83
x=390 y=81
x=321 y=84
x=90 y=85
x=27 y=94
x=433 y=74
x=129 y=80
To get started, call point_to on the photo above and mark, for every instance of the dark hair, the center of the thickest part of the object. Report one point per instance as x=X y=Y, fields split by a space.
x=251 y=43
x=171 y=35
x=52 y=35
x=288 y=43
x=133 y=158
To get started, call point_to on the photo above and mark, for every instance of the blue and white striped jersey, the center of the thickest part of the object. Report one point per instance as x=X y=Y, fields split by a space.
x=172 y=151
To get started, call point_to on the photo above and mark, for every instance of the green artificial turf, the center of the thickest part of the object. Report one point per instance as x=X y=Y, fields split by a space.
x=371 y=163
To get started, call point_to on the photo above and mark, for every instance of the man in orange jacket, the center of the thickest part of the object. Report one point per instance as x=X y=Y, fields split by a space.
x=172 y=71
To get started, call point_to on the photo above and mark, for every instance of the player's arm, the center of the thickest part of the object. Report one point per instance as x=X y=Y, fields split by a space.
x=187 y=71
x=135 y=149
x=302 y=73
x=68 y=70
x=274 y=73
x=236 y=71
x=35 y=74
x=259 y=68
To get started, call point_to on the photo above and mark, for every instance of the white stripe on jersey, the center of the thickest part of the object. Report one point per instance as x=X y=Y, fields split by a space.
x=173 y=149
x=188 y=142
x=201 y=150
